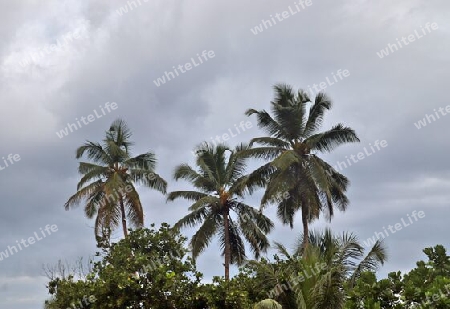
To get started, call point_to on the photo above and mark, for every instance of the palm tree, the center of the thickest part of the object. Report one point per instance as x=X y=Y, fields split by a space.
x=344 y=260
x=333 y=261
x=220 y=185
x=295 y=170
x=108 y=182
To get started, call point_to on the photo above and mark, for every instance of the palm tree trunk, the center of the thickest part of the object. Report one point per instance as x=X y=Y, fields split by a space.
x=124 y=218
x=305 y=225
x=226 y=224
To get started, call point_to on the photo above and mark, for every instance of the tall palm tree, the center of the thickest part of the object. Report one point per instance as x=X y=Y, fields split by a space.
x=108 y=182
x=295 y=169
x=220 y=179
x=318 y=281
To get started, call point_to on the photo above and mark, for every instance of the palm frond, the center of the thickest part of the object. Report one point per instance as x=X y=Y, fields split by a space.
x=155 y=182
x=187 y=195
x=98 y=173
x=95 y=152
x=289 y=110
x=270 y=141
x=83 y=193
x=237 y=247
x=316 y=112
x=145 y=161
x=212 y=202
x=329 y=140
x=133 y=206
x=120 y=133
x=375 y=257
x=256 y=179
x=267 y=153
x=282 y=250
x=193 y=218
x=287 y=159
x=254 y=226
x=236 y=165
x=267 y=123
x=203 y=236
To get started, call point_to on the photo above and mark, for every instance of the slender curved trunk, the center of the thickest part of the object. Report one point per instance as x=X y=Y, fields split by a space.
x=124 y=218
x=305 y=214
x=226 y=225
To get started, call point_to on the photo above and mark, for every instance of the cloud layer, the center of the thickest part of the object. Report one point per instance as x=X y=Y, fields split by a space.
x=115 y=58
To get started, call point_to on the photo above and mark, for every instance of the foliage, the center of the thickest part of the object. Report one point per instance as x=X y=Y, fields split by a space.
x=267 y=304
x=148 y=269
x=108 y=182
x=151 y=268
x=219 y=179
x=295 y=170
x=226 y=294
x=368 y=293
x=428 y=284
x=315 y=277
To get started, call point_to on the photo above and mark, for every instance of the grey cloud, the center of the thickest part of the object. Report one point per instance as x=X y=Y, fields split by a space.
x=381 y=99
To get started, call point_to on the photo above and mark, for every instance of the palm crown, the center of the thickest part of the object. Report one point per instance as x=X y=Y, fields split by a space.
x=220 y=186
x=311 y=184
x=108 y=181
x=315 y=278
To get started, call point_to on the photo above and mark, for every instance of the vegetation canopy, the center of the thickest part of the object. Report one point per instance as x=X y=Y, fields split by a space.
x=154 y=268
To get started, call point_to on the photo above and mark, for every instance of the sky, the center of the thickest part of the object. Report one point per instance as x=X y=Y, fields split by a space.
x=384 y=64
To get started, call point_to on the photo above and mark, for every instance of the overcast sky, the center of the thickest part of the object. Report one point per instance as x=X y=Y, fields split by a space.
x=103 y=54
